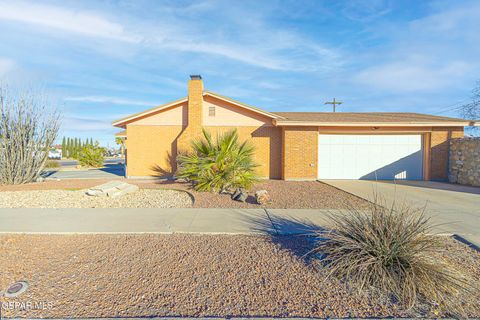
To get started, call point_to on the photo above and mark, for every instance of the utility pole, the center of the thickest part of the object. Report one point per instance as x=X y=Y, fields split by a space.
x=334 y=103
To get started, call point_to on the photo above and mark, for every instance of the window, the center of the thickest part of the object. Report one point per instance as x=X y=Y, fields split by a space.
x=211 y=111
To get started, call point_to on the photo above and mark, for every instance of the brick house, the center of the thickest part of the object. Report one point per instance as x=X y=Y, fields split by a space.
x=293 y=145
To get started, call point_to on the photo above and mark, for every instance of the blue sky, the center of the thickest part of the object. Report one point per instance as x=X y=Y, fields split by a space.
x=102 y=60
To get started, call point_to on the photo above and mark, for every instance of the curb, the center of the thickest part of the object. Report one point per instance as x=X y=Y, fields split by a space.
x=466 y=242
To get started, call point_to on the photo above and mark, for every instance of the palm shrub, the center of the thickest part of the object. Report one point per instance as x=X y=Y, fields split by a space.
x=219 y=165
x=392 y=249
x=91 y=156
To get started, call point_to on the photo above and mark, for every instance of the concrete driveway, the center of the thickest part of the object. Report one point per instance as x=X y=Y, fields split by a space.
x=455 y=206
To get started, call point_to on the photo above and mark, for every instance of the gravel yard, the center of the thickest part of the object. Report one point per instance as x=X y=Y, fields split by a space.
x=284 y=194
x=144 y=198
x=186 y=275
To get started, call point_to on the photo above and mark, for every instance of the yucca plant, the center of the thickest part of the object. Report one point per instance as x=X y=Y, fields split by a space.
x=219 y=165
x=392 y=249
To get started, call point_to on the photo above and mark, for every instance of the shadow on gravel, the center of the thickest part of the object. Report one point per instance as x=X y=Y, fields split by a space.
x=299 y=237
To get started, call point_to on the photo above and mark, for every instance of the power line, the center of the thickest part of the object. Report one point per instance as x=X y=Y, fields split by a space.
x=449 y=107
x=449 y=110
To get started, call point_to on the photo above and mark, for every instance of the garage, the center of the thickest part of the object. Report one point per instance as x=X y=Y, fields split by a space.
x=370 y=157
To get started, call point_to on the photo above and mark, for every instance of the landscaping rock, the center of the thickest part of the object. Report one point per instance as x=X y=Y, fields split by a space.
x=94 y=193
x=112 y=189
x=464 y=164
x=142 y=276
x=235 y=194
x=143 y=198
x=124 y=189
x=40 y=179
x=262 y=197
x=240 y=195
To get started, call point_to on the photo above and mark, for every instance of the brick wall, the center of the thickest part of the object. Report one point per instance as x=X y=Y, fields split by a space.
x=194 y=114
x=151 y=150
x=267 y=142
x=439 y=152
x=300 y=153
x=289 y=153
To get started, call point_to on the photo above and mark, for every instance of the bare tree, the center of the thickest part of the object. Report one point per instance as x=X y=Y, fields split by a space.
x=28 y=128
x=471 y=110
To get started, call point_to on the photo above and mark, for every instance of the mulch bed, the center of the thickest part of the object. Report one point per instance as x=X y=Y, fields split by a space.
x=187 y=275
x=284 y=194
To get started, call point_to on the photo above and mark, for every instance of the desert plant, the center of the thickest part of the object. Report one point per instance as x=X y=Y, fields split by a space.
x=392 y=249
x=52 y=164
x=121 y=143
x=71 y=147
x=91 y=156
x=28 y=128
x=219 y=165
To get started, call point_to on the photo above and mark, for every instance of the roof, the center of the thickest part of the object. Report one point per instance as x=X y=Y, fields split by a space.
x=367 y=118
x=122 y=122
x=121 y=134
x=322 y=118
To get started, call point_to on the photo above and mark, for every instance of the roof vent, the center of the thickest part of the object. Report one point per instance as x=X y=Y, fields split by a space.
x=196 y=77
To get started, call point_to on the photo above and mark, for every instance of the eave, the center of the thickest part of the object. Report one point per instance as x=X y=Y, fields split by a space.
x=286 y=123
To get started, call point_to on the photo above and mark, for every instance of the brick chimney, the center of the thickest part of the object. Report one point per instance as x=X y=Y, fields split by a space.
x=193 y=129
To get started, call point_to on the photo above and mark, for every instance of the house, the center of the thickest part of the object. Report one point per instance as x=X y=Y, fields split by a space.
x=293 y=145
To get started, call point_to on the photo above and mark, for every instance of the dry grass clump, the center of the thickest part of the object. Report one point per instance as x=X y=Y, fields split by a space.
x=392 y=249
x=52 y=164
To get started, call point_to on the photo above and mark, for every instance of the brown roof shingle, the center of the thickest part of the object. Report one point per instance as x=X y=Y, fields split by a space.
x=365 y=117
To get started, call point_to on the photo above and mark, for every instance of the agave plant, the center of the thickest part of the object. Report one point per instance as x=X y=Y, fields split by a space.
x=219 y=165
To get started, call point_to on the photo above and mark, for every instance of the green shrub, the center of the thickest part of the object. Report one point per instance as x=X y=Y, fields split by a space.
x=52 y=164
x=91 y=156
x=219 y=165
x=393 y=250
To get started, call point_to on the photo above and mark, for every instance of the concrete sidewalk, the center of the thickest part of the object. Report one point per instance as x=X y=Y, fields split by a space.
x=181 y=220
x=186 y=220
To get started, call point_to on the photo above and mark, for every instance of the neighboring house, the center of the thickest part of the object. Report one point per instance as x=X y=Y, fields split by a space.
x=294 y=145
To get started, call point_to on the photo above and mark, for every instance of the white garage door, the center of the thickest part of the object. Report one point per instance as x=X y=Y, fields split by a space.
x=370 y=157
